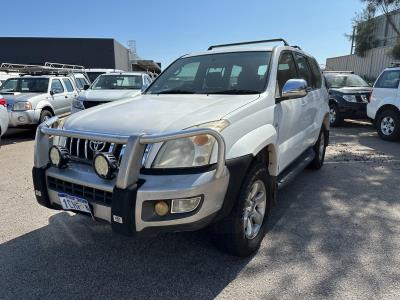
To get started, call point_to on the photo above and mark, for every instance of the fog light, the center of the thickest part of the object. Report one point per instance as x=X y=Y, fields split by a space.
x=161 y=208
x=179 y=206
x=105 y=165
x=59 y=156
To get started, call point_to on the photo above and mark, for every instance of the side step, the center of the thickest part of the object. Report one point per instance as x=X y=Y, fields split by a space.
x=295 y=168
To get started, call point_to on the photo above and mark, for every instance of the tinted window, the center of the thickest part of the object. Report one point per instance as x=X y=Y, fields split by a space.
x=316 y=72
x=388 y=80
x=222 y=73
x=25 y=85
x=118 y=82
x=304 y=69
x=56 y=86
x=286 y=70
x=68 y=85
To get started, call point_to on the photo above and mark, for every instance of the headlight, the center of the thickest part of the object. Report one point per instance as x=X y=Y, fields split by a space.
x=22 y=106
x=350 y=98
x=77 y=104
x=189 y=152
x=59 y=156
x=105 y=165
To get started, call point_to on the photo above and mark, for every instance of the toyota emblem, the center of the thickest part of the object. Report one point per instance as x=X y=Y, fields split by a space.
x=97 y=146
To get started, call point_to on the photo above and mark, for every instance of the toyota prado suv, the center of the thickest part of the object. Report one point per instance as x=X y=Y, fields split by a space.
x=206 y=145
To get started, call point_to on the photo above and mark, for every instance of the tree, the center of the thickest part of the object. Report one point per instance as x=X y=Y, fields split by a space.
x=385 y=7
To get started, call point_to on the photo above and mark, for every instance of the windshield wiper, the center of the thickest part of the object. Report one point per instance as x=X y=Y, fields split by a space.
x=235 y=92
x=175 y=92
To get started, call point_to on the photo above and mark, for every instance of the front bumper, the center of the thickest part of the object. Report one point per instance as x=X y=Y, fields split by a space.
x=353 y=110
x=127 y=202
x=23 y=118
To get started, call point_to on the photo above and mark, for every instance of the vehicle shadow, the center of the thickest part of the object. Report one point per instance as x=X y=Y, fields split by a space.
x=74 y=257
x=14 y=136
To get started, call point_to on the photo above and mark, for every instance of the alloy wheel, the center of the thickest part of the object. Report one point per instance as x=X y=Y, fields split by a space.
x=388 y=126
x=254 y=211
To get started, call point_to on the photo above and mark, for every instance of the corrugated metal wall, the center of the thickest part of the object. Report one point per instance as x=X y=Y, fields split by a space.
x=369 y=66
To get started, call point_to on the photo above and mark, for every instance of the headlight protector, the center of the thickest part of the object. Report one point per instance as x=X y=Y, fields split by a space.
x=189 y=152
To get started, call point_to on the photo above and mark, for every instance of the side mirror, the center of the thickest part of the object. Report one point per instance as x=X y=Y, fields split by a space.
x=86 y=86
x=294 y=88
x=52 y=92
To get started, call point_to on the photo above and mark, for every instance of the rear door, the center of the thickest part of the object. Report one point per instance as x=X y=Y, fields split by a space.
x=59 y=96
x=290 y=133
x=71 y=92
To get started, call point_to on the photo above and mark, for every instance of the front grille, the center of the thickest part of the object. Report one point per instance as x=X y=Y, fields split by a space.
x=89 y=104
x=87 y=193
x=362 y=98
x=85 y=150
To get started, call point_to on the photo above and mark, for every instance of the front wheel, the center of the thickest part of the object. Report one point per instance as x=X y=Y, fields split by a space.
x=45 y=115
x=388 y=125
x=242 y=232
x=335 y=118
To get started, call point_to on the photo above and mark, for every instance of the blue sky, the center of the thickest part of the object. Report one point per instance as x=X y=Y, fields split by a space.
x=164 y=30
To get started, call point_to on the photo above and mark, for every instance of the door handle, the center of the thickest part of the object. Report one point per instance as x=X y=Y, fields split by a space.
x=66 y=97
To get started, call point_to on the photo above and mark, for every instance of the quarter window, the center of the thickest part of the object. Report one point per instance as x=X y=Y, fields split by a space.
x=68 y=85
x=56 y=86
x=388 y=80
x=304 y=69
x=286 y=70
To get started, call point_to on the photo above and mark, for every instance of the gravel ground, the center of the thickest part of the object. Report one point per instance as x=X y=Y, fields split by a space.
x=334 y=234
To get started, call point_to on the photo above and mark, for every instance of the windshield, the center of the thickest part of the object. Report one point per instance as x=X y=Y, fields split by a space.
x=222 y=73
x=348 y=80
x=118 y=82
x=25 y=85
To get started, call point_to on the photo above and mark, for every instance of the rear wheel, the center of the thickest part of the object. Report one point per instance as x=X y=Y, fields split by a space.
x=45 y=115
x=319 y=150
x=335 y=118
x=388 y=125
x=242 y=232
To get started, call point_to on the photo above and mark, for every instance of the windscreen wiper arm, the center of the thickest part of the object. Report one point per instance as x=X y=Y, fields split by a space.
x=175 y=92
x=235 y=92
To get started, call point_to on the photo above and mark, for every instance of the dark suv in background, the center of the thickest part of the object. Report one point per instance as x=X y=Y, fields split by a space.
x=348 y=96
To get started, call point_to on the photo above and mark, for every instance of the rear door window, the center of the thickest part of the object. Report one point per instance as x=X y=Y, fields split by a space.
x=68 y=85
x=388 y=80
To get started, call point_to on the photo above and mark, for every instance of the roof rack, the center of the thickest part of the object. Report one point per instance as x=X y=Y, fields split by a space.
x=338 y=72
x=249 y=43
x=64 y=66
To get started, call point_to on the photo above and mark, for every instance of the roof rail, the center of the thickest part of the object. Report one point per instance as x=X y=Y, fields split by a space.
x=297 y=47
x=249 y=43
x=394 y=65
x=64 y=66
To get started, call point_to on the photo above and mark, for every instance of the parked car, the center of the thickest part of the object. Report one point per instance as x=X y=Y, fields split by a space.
x=207 y=144
x=111 y=87
x=348 y=96
x=4 y=76
x=32 y=99
x=94 y=73
x=384 y=105
x=3 y=117
x=80 y=80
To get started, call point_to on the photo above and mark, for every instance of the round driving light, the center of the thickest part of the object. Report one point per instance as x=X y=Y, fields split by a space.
x=105 y=165
x=161 y=208
x=59 y=156
x=201 y=140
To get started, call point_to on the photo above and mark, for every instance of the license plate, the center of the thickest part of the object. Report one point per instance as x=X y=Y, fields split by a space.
x=69 y=202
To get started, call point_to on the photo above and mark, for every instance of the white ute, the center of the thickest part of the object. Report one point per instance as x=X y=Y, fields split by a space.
x=384 y=105
x=207 y=144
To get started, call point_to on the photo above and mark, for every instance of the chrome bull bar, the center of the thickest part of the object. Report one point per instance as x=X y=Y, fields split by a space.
x=135 y=145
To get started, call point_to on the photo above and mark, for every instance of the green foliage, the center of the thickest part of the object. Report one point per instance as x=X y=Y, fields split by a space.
x=395 y=53
x=364 y=28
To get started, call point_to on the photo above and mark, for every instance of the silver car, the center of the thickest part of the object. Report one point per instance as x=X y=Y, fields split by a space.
x=111 y=87
x=33 y=99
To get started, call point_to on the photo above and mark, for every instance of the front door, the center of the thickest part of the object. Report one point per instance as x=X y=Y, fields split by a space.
x=59 y=96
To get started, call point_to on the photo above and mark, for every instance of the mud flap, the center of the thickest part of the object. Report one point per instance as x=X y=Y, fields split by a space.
x=123 y=210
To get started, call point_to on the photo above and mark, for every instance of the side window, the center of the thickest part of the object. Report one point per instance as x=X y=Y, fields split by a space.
x=286 y=70
x=68 y=84
x=388 y=80
x=304 y=69
x=316 y=72
x=56 y=86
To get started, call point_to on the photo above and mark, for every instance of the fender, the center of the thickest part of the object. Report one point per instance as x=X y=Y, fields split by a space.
x=44 y=103
x=254 y=141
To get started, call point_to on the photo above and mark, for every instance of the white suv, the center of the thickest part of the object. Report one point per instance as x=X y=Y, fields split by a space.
x=384 y=105
x=207 y=144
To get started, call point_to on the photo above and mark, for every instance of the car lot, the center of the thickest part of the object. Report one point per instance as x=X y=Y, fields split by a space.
x=335 y=233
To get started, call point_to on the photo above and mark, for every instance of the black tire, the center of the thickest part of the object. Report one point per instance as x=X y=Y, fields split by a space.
x=229 y=234
x=388 y=125
x=320 y=150
x=45 y=115
x=335 y=117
